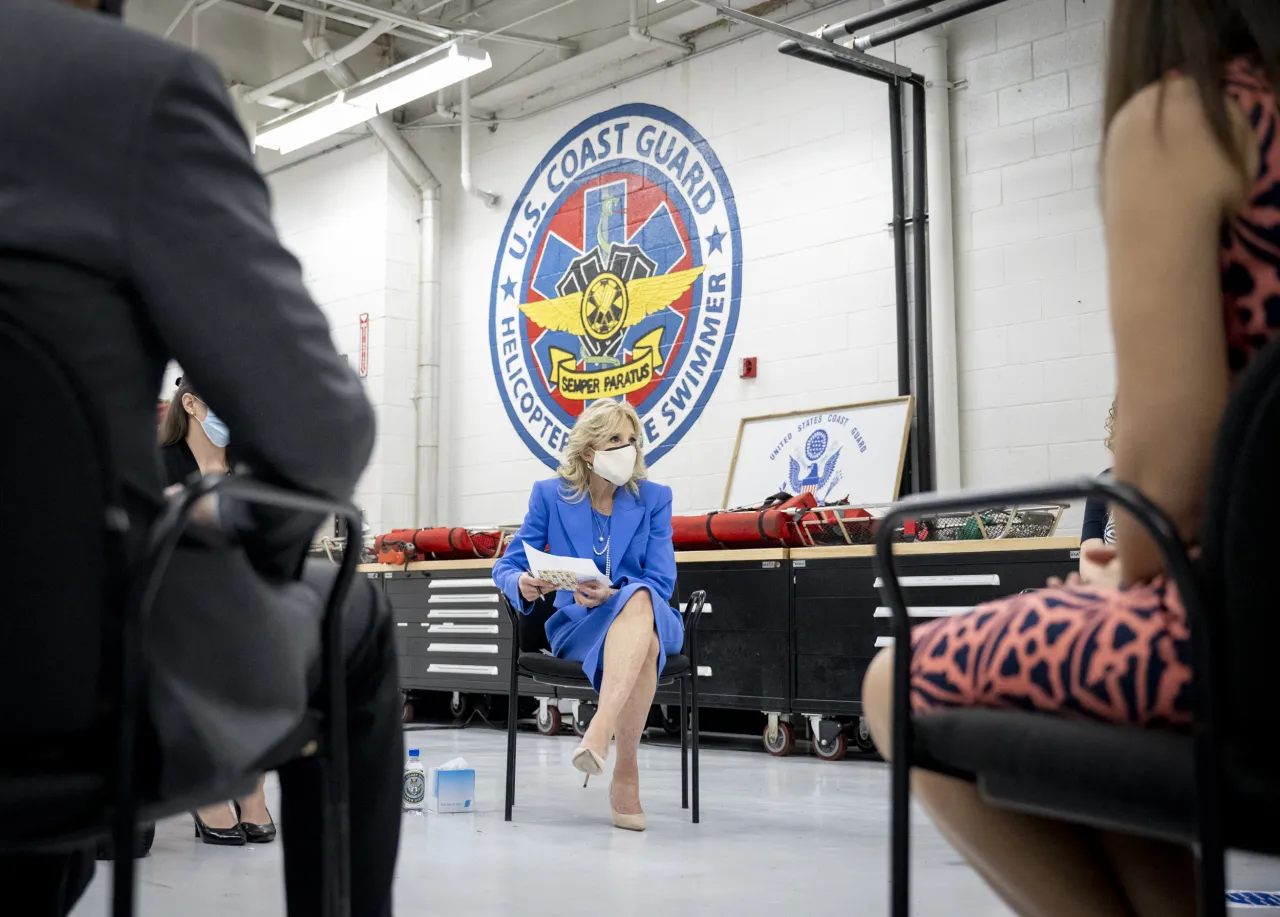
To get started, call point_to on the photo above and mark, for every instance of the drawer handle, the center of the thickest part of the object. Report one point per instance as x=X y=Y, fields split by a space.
x=460 y=584
x=441 y=668
x=462 y=648
x=468 y=599
x=704 y=671
x=884 y=641
x=463 y=613
x=926 y=611
x=402 y=624
x=461 y=628
x=706 y=608
x=959 y=579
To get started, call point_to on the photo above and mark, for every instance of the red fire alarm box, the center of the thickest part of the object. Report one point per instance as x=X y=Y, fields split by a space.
x=747 y=368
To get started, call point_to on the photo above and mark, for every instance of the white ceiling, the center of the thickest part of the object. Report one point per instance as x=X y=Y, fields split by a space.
x=252 y=46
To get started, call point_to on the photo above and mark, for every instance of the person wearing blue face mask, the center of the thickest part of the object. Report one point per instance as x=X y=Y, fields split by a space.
x=193 y=441
x=192 y=438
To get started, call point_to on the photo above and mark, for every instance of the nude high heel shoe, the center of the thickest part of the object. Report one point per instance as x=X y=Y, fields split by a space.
x=587 y=761
x=626 y=822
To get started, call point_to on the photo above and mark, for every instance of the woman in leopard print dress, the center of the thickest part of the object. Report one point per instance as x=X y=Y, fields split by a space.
x=1191 y=207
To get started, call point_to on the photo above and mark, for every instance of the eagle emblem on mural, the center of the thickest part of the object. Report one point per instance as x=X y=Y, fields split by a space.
x=600 y=314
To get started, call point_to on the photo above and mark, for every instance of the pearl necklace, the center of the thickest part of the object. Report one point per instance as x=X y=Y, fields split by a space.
x=603 y=536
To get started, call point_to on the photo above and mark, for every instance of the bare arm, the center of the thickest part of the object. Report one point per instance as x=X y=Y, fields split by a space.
x=1167 y=185
x=1088 y=569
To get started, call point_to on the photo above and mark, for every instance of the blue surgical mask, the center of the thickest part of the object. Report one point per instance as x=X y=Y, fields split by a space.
x=215 y=429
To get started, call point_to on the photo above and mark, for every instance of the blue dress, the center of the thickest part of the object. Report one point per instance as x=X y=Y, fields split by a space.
x=643 y=558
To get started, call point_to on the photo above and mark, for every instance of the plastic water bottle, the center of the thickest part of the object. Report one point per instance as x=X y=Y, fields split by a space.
x=415 y=783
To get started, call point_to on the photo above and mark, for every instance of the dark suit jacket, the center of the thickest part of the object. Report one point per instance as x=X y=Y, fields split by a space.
x=135 y=230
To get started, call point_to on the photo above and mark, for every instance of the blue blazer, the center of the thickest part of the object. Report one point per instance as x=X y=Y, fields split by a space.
x=643 y=557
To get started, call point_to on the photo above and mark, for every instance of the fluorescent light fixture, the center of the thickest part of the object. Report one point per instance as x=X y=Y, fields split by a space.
x=417 y=77
x=331 y=115
x=279 y=102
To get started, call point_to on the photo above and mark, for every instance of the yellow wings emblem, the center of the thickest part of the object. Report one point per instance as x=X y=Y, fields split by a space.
x=609 y=304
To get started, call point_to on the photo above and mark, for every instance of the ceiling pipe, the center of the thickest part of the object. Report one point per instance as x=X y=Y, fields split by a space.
x=323 y=62
x=422 y=32
x=442 y=32
x=425 y=398
x=613 y=83
x=872 y=17
x=945 y=376
x=490 y=199
x=920 y=23
x=380 y=126
x=644 y=36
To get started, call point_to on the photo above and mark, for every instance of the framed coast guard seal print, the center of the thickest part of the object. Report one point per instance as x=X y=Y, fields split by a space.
x=854 y=453
x=618 y=276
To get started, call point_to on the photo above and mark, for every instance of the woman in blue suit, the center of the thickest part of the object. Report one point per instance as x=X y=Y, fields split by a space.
x=601 y=507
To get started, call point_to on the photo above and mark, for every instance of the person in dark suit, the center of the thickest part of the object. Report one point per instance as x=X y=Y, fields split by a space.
x=135 y=230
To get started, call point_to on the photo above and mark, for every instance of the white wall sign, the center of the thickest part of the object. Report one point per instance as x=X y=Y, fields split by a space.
x=855 y=452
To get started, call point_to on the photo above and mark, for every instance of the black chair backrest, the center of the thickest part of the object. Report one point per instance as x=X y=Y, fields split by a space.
x=1241 y=552
x=57 y=584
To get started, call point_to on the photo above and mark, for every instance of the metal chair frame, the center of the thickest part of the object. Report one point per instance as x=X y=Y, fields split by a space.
x=688 y=712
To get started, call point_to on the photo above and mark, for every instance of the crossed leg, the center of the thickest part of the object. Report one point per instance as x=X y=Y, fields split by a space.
x=630 y=677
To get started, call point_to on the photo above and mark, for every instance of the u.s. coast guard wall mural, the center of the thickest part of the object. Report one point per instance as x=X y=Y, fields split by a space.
x=618 y=276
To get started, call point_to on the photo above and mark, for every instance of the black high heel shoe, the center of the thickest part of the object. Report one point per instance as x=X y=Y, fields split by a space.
x=257 y=834
x=222 y=837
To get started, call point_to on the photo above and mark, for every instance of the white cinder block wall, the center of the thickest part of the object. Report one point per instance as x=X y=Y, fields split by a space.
x=350 y=218
x=1035 y=352
x=806 y=150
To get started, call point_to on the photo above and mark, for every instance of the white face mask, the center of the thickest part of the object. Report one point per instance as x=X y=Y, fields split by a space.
x=616 y=465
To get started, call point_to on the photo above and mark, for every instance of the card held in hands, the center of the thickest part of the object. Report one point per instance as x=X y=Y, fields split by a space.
x=563 y=572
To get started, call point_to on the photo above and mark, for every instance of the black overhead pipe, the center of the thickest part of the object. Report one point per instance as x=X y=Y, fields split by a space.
x=920 y=256
x=871 y=70
x=920 y=23
x=897 y=172
x=872 y=17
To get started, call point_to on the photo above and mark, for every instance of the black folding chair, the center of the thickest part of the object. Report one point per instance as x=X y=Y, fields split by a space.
x=1213 y=789
x=75 y=612
x=562 y=673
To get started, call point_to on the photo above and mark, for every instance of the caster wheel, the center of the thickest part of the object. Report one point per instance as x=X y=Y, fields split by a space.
x=671 y=723
x=458 y=706
x=551 y=725
x=406 y=711
x=862 y=736
x=583 y=719
x=835 y=749
x=781 y=746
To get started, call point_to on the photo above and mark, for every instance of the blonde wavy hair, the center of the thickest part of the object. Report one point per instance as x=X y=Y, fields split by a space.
x=594 y=427
x=1110 y=441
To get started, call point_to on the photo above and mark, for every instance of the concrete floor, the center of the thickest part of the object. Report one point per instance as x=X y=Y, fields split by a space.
x=773 y=832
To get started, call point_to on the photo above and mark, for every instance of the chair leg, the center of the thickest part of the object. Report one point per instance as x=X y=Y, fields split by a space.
x=513 y=710
x=697 y=742
x=900 y=846
x=122 y=869
x=1211 y=881
x=684 y=743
